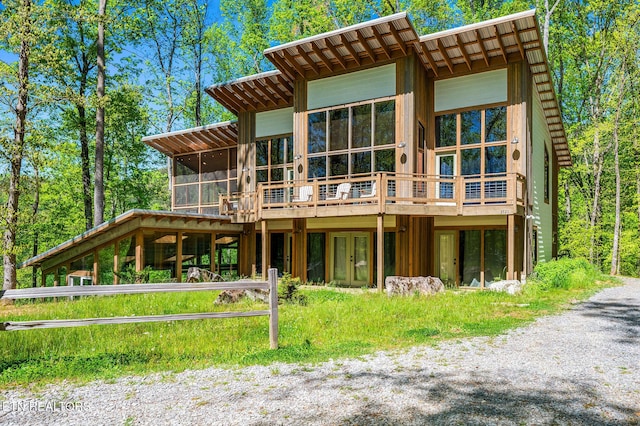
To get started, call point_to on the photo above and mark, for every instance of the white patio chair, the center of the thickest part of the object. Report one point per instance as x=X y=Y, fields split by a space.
x=305 y=194
x=342 y=192
x=370 y=194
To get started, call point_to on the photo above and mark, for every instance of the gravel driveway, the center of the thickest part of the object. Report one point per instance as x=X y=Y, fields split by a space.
x=580 y=367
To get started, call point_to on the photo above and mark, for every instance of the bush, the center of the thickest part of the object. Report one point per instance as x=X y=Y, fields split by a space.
x=566 y=273
x=288 y=290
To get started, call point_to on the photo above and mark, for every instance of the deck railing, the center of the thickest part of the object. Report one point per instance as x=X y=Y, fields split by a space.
x=381 y=191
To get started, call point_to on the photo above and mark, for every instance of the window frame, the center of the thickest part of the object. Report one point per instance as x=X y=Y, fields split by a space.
x=350 y=151
x=230 y=183
x=269 y=167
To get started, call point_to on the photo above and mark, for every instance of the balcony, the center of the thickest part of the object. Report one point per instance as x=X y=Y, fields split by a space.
x=384 y=193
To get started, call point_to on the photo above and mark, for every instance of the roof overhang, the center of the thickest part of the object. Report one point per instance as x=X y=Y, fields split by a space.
x=496 y=43
x=264 y=91
x=214 y=136
x=173 y=219
x=359 y=45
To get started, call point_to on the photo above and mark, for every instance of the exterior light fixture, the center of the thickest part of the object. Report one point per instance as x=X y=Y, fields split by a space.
x=515 y=140
x=402 y=144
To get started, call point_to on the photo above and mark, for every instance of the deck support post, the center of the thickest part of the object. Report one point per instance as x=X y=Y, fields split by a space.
x=264 y=235
x=511 y=246
x=273 y=308
x=380 y=252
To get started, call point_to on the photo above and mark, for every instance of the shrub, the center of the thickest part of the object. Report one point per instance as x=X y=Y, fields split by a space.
x=566 y=273
x=288 y=290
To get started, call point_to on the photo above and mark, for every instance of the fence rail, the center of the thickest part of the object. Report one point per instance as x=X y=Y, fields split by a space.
x=111 y=290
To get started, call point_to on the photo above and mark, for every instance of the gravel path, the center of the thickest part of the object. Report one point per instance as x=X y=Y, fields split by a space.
x=580 y=367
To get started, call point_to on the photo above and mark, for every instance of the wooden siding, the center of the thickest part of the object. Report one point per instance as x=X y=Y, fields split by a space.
x=276 y=122
x=542 y=211
x=478 y=89
x=357 y=86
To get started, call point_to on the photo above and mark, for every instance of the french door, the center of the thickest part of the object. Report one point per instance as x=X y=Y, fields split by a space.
x=446 y=259
x=350 y=258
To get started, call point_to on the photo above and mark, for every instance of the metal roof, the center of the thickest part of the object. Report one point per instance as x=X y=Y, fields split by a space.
x=119 y=221
x=371 y=42
x=495 y=43
x=267 y=90
x=213 y=136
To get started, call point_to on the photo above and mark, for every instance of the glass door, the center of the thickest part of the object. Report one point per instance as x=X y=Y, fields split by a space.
x=445 y=172
x=446 y=249
x=350 y=257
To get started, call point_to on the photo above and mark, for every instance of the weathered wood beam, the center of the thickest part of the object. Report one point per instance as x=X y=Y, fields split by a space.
x=500 y=43
x=347 y=45
x=463 y=50
x=327 y=63
x=281 y=64
x=397 y=38
x=365 y=45
x=516 y=34
x=307 y=58
x=380 y=39
x=445 y=55
x=291 y=60
x=483 y=49
x=336 y=54
x=432 y=62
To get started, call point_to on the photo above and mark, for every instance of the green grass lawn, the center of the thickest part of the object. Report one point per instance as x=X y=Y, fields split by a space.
x=333 y=324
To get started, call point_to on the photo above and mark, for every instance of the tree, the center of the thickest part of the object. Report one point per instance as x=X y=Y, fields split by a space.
x=98 y=195
x=18 y=32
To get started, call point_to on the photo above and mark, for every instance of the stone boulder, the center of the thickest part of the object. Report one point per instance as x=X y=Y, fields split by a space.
x=234 y=296
x=507 y=286
x=407 y=286
x=199 y=275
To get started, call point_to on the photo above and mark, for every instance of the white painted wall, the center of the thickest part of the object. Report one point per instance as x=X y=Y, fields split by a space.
x=471 y=90
x=276 y=122
x=353 y=87
x=542 y=212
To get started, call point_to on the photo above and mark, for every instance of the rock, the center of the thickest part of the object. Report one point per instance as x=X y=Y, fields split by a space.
x=508 y=286
x=234 y=296
x=199 y=275
x=406 y=286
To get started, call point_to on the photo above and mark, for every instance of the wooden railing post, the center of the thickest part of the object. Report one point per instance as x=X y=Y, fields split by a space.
x=273 y=308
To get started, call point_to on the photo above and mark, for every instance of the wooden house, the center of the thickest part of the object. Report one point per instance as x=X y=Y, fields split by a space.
x=370 y=151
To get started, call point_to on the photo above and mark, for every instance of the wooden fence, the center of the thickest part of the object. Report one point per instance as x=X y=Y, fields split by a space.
x=110 y=290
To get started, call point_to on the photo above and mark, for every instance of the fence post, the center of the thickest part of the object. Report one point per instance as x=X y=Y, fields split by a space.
x=273 y=308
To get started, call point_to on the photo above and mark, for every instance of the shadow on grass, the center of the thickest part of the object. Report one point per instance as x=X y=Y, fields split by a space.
x=421 y=397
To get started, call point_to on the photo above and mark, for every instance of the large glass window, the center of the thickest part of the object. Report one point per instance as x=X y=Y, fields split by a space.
x=274 y=157
x=480 y=136
x=316 y=248
x=160 y=255
x=351 y=139
x=196 y=252
x=200 y=179
x=495 y=255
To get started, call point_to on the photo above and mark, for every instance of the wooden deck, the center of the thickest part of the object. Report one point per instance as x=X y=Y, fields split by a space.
x=384 y=193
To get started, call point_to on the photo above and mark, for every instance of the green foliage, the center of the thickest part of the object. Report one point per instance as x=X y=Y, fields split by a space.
x=566 y=274
x=129 y=275
x=289 y=291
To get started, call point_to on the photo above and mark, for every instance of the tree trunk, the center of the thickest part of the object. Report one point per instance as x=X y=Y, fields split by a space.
x=595 y=206
x=16 y=153
x=86 y=165
x=34 y=213
x=615 y=267
x=98 y=187
x=567 y=201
